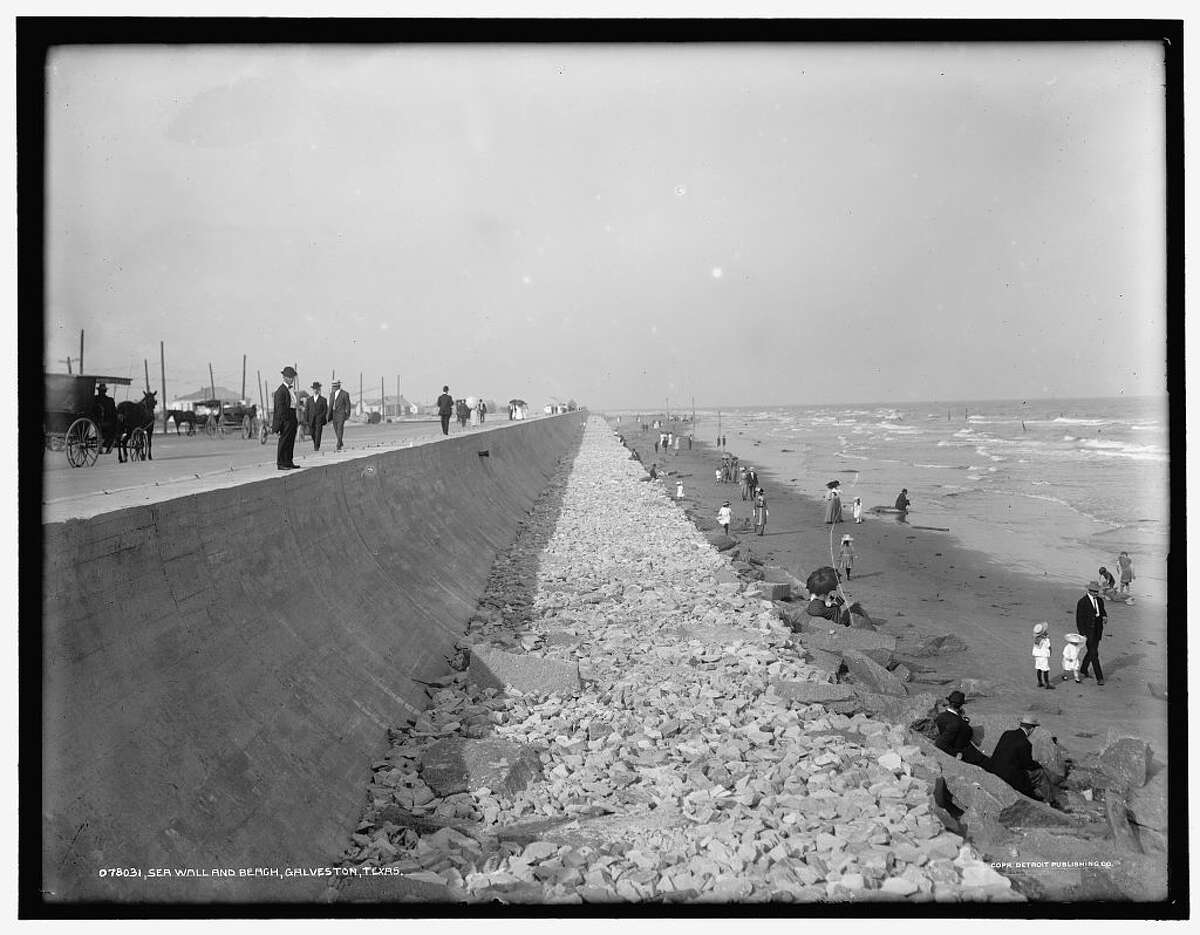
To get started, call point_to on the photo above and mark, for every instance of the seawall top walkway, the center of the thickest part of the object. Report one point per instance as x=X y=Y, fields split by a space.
x=183 y=466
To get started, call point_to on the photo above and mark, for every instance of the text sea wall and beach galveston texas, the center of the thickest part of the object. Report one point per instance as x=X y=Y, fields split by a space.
x=219 y=667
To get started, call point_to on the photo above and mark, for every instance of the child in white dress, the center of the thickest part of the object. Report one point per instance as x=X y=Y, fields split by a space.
x=725 y=517
x=1070 y=655
x=1041 y=654
x=858 y=510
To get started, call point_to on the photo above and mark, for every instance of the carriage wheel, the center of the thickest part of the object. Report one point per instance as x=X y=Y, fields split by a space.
x=82 y=443
x=247 y=427
x=137 y=445
x=210 y=426
x=262 y=431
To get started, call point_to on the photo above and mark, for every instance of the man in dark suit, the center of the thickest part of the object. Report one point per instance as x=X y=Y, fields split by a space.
x=318 y=414
x=284 y=422
x=104 y=412
x=1013 y=761
x=1090 y=618
x=445 y=407
x=955 y=733
x=339 y=409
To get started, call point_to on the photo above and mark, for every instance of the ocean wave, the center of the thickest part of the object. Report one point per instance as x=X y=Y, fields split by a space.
x=949 y=467
x=1103 y=444
x=846 y=454
x=1067 y=420
x=1148 y=427
x=964 y=433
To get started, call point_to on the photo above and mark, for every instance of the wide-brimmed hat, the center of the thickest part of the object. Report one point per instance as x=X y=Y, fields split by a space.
x=847 y=538
x=833 y=483
x=1075 y=638
x=288 y=371
x=956 y=698
x=1094 y=586
x=1029 y=719
x=316 y=385
x=1041 y=628
x=726 y=503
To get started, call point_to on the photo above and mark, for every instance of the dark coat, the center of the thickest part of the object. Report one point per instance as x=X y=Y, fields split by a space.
x=317 y=412
x=105 y=411
x=339 y=408
x=282 y=412
x=1087 y=622
x=954 y=732
x=1013 y=758
x=445 y=404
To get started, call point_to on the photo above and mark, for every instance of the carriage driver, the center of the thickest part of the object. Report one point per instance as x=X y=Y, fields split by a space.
x=104 y=411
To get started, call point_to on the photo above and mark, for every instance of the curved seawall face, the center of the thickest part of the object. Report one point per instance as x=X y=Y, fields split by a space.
x=219 y=670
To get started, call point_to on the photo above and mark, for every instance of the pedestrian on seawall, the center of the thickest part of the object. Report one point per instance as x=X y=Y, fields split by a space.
x=284 y=421
x=445 y=407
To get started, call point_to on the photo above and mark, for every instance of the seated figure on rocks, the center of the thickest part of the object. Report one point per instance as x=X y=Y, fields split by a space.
x=1013 y=761
x=955 y=733
x=826 y=604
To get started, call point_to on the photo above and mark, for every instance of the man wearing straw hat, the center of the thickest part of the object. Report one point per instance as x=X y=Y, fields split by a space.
x=339 y=409
x=1090 y=618
x=1013 y=761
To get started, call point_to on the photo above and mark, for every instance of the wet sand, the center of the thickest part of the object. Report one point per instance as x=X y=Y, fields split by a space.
x=917 y=583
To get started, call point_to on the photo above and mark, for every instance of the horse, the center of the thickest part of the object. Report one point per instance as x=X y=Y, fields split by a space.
x=132 y=416
x=183 y=415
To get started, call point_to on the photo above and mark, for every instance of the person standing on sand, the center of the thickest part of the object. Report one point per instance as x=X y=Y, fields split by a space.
x=857 y=510
x=678 y=490
x=1070 y=656
x=654 y=471
x=725 y=517
x=1125 y=567
x=833 y=503
x=1108 y=583
x=902 y=501
x=845 y=559
x=955 y=733
x=1090 y=618
x=742 y=484
x=690 y=437
x=284 y=421
x=760 y=511
x=445 y=407
x=1041 y=654
x=751 y=481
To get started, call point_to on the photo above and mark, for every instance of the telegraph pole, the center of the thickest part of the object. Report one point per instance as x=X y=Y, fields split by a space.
x=81 y=355
x=243 y=376
x=162 y=369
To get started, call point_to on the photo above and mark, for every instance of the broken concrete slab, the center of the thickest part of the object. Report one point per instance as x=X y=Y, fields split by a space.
x=903 y=710
x=870 y=675
x=459 y=764
x=843 y=638
x=770 y=591
x=825 y=661
x=811 y=692
x=934 y=646
x=526 y=672
x=720 y=541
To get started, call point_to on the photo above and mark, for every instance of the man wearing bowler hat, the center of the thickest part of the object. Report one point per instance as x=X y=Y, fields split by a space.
x=318 y=414
x=1013 y=761
x=1090 y=618
x=955 y=733
x=284 y=422
x=339 y=409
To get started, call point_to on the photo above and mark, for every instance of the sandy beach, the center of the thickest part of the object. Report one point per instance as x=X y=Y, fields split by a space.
x=917 y=583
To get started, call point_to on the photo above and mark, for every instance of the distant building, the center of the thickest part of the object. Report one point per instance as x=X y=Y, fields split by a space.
x=204 y=394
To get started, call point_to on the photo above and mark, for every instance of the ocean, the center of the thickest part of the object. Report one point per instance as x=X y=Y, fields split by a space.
x=1045 y=487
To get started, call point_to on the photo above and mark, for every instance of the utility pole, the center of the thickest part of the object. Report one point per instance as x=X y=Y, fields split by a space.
x=668 y=408
x=718 y=428
x=146 y=365
x=243 y=376
x=67 y=361
x=398 y=394
x=262 y=405
x=81 y=354
x=382 y=405
x=212 y=384
x=162 y=369
x=362 y=402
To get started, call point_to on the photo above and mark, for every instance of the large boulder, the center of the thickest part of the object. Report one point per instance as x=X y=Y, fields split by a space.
x=905 y=711
x=1125 y=762
x=528 y=673
x=459 y=764
x=934 y=645
x=825 y=661
x=1148 y=804
x=870 y=675
x=720 y=541
x=843 y=638
x=770 y=591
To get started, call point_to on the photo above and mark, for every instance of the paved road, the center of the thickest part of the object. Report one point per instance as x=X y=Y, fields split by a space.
x=184 y=465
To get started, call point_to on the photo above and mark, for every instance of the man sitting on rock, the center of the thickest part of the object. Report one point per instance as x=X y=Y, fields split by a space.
x=1013 y=761
x=955 y=733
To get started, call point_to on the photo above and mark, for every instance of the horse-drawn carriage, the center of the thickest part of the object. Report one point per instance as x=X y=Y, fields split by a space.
x=216 y=417
x=76 y=421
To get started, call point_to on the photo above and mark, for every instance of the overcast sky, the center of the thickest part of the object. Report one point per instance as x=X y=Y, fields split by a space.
x=745 y=224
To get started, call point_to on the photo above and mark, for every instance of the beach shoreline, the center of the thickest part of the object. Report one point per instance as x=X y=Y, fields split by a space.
x=918 y=583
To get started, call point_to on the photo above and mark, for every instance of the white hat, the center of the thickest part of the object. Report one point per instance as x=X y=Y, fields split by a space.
x=1075 y=638
x=1041 y=628
x=847 y=538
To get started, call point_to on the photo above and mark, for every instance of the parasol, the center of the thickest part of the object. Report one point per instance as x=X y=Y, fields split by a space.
x=822 y=581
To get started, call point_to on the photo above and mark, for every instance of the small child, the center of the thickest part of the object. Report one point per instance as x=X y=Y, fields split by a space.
x=858 y=510
x=1041 y=654
x=717 y=475
x=724 y=517
x=760 y=511
x=846 y=556
x=1070 y=656
x=678 y=490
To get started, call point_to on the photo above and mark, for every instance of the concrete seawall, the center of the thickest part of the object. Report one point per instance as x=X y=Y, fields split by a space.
x=219 y=669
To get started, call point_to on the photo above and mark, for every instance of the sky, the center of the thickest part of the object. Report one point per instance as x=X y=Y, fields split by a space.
x=764 y=224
